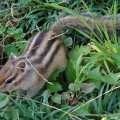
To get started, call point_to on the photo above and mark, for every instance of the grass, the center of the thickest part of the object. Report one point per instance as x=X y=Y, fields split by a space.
x=89 y=87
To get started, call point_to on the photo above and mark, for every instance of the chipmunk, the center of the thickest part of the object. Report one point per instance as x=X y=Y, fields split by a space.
x=44 y=54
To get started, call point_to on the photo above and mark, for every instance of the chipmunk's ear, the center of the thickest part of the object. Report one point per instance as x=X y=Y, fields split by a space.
x=12 y=56
x=23 y=66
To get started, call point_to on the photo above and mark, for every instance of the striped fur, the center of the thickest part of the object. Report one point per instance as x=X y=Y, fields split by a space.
x=44 y=54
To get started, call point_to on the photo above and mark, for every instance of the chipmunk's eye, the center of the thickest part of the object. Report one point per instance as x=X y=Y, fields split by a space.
x=9 y=80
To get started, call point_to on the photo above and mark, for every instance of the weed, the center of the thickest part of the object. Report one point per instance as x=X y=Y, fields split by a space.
x=89 y=87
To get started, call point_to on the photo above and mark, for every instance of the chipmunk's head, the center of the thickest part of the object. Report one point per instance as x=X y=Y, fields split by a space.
x=13 y=73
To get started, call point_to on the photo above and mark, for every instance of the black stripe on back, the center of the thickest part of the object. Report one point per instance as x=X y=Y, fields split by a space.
x=53 y=55
x=37 y=43
x=46 y=50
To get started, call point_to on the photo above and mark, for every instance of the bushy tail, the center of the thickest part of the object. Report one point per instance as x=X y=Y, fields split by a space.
x=74 y=21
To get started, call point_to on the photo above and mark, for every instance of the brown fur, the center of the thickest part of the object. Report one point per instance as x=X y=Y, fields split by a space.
x=30 y=71
x=75 y=21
